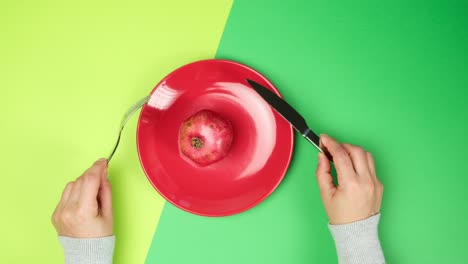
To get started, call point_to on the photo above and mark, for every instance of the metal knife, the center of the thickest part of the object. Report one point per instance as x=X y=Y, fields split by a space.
x=290 y=114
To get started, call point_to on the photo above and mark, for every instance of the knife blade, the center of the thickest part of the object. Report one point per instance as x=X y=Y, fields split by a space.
x=289 y=114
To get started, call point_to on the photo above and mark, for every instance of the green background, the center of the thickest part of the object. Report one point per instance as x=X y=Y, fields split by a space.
x=388 y=75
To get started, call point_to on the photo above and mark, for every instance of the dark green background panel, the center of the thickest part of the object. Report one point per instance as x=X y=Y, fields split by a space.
x=390 y=76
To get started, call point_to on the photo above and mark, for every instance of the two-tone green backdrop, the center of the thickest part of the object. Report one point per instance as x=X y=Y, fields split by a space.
x=391 y=76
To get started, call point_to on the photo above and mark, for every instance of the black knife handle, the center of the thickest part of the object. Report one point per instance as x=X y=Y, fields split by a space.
x=315 y=140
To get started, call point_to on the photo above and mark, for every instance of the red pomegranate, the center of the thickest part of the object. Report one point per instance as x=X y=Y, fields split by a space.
x=205 y=137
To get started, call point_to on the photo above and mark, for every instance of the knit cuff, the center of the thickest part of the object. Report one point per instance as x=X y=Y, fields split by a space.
x=358 y=242
x=88 y=250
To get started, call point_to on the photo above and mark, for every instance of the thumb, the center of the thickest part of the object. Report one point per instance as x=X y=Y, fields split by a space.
x=324 y=177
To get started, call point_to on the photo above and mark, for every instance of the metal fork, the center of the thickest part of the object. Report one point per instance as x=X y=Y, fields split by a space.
x=125 y=119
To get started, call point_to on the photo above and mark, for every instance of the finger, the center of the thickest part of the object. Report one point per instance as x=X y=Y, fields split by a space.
x=74 y=196
x=91 y=182
x=105 y=195
x=104 y=173
x=105 y=198
x=65 y=194
x=324 y=177
x=61 y=204
x=341 y=159
x=359 y=159
x=371 y=164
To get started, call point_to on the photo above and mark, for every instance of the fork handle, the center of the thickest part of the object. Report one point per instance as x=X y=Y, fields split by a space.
x=124 y=121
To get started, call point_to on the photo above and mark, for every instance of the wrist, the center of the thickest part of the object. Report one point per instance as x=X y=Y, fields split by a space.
x=88 y=250
x=354 y=240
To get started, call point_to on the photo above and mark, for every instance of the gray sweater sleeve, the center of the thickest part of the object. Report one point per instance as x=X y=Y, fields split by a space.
x=358 y=242
x=88 y=250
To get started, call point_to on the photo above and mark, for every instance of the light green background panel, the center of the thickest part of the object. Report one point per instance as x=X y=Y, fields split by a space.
x=388 y=75
x=68 y=71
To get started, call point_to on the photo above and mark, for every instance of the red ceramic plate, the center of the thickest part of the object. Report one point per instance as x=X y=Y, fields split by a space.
x=260 y=152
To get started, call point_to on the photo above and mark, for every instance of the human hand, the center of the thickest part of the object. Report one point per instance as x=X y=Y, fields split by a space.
x=359 y=192
x=85 y=209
